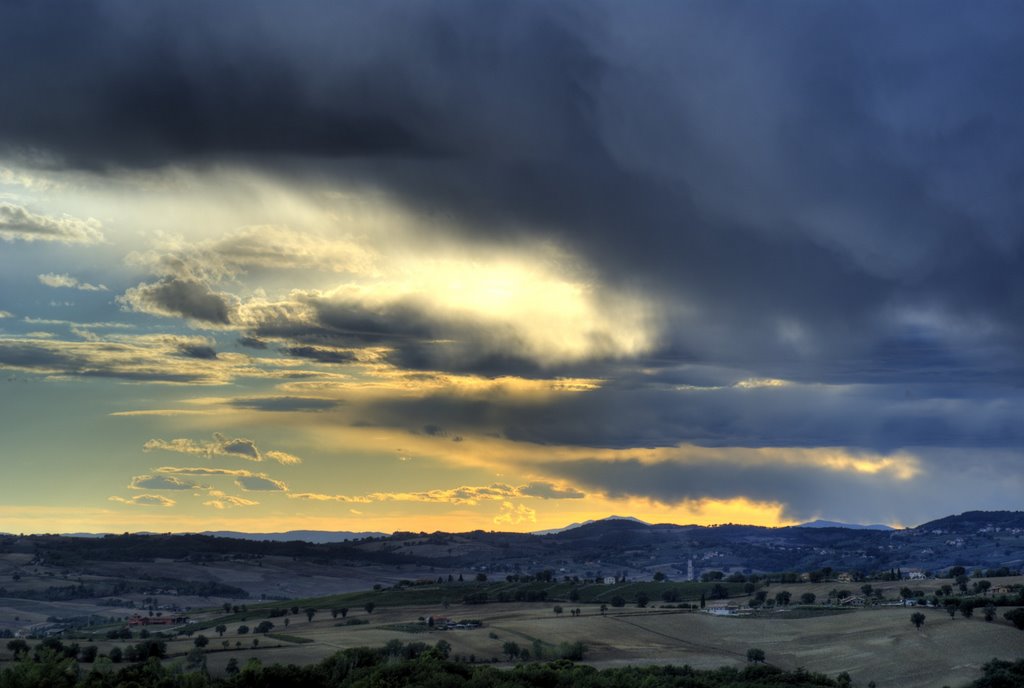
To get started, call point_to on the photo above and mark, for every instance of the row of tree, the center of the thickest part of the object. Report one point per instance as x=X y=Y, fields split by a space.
x=402 y=665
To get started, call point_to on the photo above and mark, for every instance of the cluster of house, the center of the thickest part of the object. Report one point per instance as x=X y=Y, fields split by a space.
x=139 y=620
x=41 y=630
x=442 y=623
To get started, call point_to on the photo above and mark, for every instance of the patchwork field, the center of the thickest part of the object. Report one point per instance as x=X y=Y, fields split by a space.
x=879 y=645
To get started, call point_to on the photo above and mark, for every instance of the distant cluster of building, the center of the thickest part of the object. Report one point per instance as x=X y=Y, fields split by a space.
x=442 y=623
x=139 y=620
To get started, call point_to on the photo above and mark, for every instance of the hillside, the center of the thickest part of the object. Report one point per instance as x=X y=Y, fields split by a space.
x=54 y=567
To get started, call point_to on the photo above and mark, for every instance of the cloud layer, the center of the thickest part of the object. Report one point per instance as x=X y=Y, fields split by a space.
x=599 y=230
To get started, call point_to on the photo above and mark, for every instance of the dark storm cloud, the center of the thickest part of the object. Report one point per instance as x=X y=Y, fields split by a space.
x=817 y=193
x=804 y=491
x=132 y=92
x=878 y=417
x=728 y=157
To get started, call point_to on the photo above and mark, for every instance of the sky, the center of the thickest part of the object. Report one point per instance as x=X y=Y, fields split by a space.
x=506 y=266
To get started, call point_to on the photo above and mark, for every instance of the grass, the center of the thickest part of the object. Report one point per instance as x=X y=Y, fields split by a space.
x=454 y=593
x=298 y=640
x=800 y=612
x=408 y=627
x=441 y=595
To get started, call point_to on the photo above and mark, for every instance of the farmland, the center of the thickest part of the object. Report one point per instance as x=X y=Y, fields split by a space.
x=871 y=644
x=618 y=593
x=877 y=644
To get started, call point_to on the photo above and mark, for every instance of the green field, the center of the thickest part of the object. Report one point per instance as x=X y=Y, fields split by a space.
x=455 y=593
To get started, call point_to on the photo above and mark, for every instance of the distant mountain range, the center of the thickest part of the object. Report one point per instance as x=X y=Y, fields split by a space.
x=318 y=537
x=811 y=524
x=620 y=546
x=836 y=524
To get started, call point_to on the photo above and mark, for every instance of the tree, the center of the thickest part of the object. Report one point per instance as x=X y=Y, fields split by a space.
x=618 y=601
x=201 y=641
x=17 y=647
x=481 y=578
x=343 y=611
x=511 y=649
x=808 y=598
x=369 y=607
x=295 y=609
x=242 y=630
x=264 y=627
x=604 y=609
x=782 y=597
x=990 y=611
x=116 y=655
x=951 y=606
x=966 y=609
x=232 y=668
x=558 y=609
x=1016 y=617
x=755 y=655
x=917 y=618
x=310 y=613
x=642 y=599
x=982 y=586
x=220 y=628
x=659 y=576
